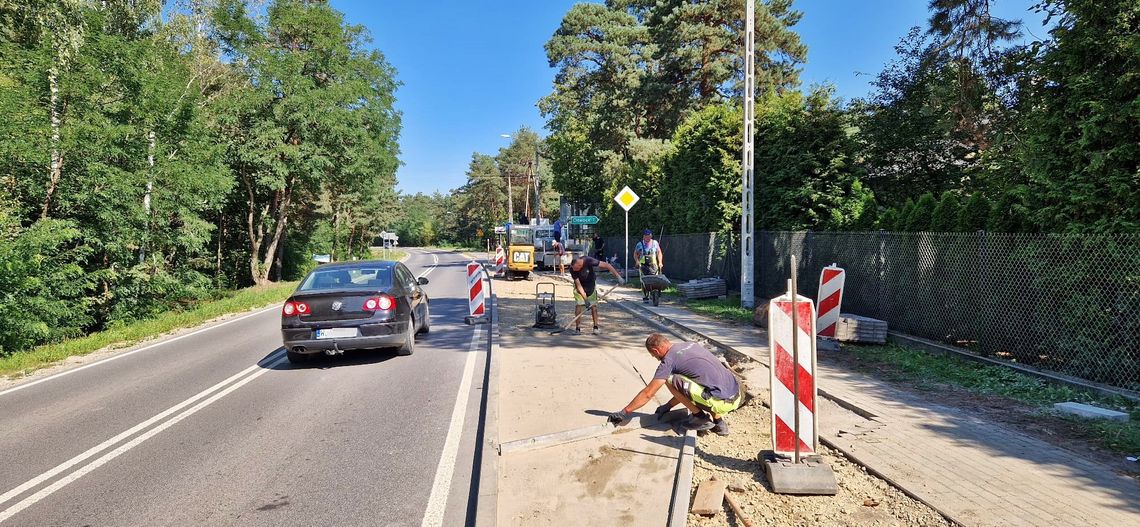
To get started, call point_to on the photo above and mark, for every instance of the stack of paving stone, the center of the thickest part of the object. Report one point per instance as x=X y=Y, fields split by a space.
x=703 y=288
x=854 y=328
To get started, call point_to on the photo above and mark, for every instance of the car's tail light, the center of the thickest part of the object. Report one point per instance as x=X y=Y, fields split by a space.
x=382 y=303
x=295 y=308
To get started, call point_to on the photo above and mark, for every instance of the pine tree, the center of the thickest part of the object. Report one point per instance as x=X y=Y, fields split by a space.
x=975 y=214
x=918 y=220
x=945 y=216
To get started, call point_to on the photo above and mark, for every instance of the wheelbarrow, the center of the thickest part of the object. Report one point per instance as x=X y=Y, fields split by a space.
x=654 y=284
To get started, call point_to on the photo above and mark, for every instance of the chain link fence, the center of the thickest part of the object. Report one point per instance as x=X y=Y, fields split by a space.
x=1063 y=303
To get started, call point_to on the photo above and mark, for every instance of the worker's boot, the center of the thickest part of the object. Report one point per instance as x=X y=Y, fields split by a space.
x=720 y=427
x=699 y=422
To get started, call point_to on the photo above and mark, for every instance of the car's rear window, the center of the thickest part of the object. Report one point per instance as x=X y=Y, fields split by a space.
x=355 y=278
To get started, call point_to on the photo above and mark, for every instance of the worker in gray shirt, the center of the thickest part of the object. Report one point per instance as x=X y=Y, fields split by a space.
x=697 y=380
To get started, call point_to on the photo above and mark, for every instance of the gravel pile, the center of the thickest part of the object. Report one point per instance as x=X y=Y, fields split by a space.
x=863 y=499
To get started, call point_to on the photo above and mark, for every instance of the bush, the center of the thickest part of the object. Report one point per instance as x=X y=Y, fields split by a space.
x=919 y=217
x=945 y=217
x=43 y=291
x=975 y=215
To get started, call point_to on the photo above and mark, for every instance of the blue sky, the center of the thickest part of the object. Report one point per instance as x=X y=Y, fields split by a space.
x=473 y=70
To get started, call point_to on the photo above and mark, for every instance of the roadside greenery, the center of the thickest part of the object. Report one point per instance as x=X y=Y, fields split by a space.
x=157 y=154
x=126 y=334
x=722 y=308
x=925 y=371
x=394 y=255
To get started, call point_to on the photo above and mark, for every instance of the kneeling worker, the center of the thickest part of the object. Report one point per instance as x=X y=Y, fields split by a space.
x=697 y=380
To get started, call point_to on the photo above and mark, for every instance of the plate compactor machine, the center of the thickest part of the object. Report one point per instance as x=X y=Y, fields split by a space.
x=545 y=315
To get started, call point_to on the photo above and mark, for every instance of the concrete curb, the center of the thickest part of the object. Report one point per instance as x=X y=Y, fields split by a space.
x=486 y=506
x=683 y=482
x=843 y=403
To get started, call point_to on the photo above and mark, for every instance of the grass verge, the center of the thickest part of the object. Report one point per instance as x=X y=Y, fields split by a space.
x=393 y=254
x=927 y=372
x=724 y=309
x=130 y=334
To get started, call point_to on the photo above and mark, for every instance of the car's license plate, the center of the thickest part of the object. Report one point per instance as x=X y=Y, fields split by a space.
x=336 y=333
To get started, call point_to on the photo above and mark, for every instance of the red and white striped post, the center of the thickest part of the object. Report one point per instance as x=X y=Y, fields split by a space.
x=793 y=385
x=500 y=260
x=830 y=299
x=475 y=303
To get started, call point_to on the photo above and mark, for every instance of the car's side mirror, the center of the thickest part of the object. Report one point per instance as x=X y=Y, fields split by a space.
x=422 y=280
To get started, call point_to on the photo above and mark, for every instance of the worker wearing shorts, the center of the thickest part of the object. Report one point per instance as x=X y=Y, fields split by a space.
x=583 y=270
x=697 y=380
x=648 y=255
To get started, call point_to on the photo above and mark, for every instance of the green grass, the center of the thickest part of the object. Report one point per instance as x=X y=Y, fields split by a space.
x=393 y=254
x=724 y=309
x=925 y=371
x=129 y=334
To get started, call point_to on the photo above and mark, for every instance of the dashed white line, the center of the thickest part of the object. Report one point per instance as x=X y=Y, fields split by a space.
x=441 y=485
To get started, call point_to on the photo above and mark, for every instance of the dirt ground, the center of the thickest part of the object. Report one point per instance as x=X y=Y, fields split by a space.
x=863 y=499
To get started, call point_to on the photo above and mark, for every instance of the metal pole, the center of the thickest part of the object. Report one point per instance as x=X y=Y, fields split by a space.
x=537 y=188
x=625 y=272
x=510 y=201
x=747 y=268
x=795 y=361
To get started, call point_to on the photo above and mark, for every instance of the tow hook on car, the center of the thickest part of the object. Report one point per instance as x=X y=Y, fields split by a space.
x=334 y=351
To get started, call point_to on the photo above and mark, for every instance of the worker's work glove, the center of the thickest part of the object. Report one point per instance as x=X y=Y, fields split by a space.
x=661 y=411
x=617 y=417
x=621 y=281
x=587 y=306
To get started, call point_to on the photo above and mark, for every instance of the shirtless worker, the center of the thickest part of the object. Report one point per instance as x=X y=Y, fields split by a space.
x=583 y=270
x=697 y=380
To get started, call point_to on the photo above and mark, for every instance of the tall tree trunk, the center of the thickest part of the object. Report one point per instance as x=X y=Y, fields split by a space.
x=255 y=228
x=55 y=168
x=146 y=193
x=218 y=260
x=281 y=219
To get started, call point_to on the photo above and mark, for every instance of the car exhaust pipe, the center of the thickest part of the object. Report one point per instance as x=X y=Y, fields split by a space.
x=298 y=349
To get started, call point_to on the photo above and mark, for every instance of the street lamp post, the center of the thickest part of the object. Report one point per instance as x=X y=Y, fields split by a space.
x=747 y=286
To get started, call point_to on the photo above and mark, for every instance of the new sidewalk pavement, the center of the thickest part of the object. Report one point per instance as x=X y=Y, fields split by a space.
x=976 y=472
x=548 y=384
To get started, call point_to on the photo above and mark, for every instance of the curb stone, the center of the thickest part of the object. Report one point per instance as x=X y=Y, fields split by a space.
x=486 y=505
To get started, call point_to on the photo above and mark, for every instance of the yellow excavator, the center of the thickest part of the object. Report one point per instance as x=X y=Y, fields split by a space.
x=520 y=251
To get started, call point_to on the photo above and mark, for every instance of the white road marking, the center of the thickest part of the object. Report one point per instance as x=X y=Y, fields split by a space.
x=132 y=352
x=441 y=486
x=434 y=263
x=274 y=359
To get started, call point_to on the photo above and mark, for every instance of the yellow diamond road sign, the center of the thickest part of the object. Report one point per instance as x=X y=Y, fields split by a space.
x=627 y=198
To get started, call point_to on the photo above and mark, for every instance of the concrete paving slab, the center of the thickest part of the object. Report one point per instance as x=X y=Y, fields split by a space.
x=1089 y=411
x=624 y=479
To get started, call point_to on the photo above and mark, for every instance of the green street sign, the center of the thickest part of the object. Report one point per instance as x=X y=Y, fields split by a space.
x=583 y=220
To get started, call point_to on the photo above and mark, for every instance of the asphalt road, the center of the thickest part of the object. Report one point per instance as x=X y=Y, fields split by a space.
x=217 y=428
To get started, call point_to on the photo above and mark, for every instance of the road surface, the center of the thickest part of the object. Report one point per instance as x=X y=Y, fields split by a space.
x=217 y=428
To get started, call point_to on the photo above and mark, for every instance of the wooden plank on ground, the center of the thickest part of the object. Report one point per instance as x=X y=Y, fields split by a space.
x=709 y=499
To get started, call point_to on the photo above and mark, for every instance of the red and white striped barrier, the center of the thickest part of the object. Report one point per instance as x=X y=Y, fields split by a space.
x=829 y=299
x=500 y=260
x=784 y=374
x=475 y=304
